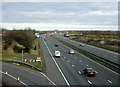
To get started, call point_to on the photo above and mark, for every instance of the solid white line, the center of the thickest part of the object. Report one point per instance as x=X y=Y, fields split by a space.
x=89 y=82
x=93 y=60
x=57 y=65
x=98 y=64
x=48 y=79
x=15 y=78
x=109 y=81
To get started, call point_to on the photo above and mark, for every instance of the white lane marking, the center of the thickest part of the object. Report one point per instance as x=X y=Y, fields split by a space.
x=16 y=64
x=68 y=61
x=98 y=63
x=93 y=60
x=96 y=71
x=75 y=57
x=72 y=65
x=105 y=55
x=48 y=79
x=15 y=78
x=80 y=61
x=114 y=59
x=79 y=72
x=102 y=49
x=89 y=82
x=109 y=81
x=87 y=65
x=64 y=57
x=57 y=65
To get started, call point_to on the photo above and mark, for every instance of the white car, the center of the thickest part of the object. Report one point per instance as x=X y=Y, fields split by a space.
x=57 y=53
x=71 y=51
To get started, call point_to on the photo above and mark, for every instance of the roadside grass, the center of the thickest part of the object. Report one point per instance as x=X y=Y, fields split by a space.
x=108 y=64
x=38 y=52
x=43 y=66
x=103 y=36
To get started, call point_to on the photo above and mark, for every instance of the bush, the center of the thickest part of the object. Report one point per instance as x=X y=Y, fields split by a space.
x=23 y=37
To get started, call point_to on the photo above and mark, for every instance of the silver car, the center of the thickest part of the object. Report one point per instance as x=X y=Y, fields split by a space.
x=71 y=51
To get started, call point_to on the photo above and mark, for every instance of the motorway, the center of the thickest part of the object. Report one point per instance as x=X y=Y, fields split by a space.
x=71 y=66
x=106 y=54
x=28 y=76
x=66 y=70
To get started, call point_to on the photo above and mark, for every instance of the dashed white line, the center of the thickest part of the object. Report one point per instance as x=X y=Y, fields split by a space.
x=109 y=81
x=95 y=61
x=57 y=65
x=87 y=65
x=105 y=55
x=68 y=61
x=64 y=57
x=96 y=71
x=72 y=65
x=89 y=82
x=80 y=61
x=79 y=72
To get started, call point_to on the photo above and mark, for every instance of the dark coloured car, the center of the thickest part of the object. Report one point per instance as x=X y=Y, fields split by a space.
x=89 y=72
x=81 y=45
x=56 y=45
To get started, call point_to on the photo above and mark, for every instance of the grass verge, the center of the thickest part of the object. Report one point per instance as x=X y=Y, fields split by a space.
x=40 y=65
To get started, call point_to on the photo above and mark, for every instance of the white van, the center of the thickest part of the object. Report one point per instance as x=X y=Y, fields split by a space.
x=57 y=53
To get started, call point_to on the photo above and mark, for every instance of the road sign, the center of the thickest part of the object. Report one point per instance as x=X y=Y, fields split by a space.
x=37 y=34
x=38 y=58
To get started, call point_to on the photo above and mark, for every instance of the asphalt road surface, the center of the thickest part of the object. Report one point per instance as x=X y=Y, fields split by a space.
x=71 y=67
x=106 y=54
x=28 y=76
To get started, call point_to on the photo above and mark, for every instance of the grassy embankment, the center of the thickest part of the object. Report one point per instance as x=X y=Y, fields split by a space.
x=29 y=44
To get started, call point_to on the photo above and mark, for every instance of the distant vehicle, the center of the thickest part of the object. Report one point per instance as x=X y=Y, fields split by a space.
x=57 y=53
x=71 y=51
x=46 y=36
x=89 y=72
x=56 y=45
x=81 y=45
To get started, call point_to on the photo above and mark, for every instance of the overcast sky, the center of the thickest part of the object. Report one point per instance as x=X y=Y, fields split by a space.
x=60 y=15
